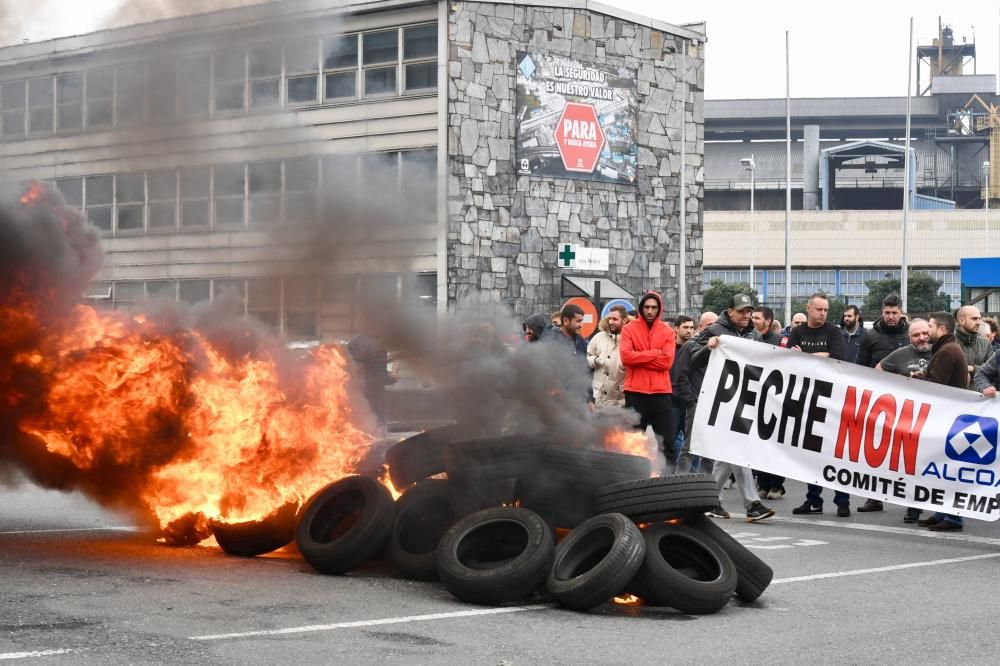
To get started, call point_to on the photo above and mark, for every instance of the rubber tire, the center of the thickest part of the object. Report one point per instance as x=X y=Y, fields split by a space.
x=495 y=458
x=562 y=488
x=754 y=574
x=595 y=562
x=598 y=468
x=560 y=504
x=326 y=510
x=486 y=533
x=422 y=455
x=257 y=537
x=424 y=511
x=655 y=499
x=669 y=583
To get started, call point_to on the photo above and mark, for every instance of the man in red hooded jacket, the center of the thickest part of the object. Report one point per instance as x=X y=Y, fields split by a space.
x=647 y=351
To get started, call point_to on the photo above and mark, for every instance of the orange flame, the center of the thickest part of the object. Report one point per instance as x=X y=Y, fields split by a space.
x=630 y=442
x=33 y=194
x=627 y=600
x=193 y=432
x=386 y=481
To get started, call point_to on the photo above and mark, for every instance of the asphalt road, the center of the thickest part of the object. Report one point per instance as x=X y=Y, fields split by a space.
x=78 y=586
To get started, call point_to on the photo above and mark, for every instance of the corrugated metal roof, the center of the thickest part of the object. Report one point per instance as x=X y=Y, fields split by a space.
x=965 y=84
x=818 y=107
x=723 y=170
x=840 y=238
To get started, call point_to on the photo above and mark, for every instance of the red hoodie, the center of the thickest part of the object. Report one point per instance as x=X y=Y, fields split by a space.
x=648 y=352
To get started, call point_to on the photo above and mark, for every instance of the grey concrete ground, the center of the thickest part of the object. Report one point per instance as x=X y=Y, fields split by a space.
x=78 y=587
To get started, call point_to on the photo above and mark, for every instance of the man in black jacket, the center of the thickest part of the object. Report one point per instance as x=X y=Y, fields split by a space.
x=853 y=328
x=886 y=335
x=734 y=321
x=819 y=337
x=763 y=321
x=686 y=390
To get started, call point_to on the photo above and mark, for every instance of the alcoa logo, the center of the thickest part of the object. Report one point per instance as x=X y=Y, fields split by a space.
x=972 y=439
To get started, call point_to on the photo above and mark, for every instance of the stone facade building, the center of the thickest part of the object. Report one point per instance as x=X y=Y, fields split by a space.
x=503 y=229
x=199 y=144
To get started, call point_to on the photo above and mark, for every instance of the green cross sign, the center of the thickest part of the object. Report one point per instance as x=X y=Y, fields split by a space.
x=567 y=257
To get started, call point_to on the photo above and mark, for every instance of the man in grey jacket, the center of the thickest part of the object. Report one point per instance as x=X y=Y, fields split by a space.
x=977 y=348
x=987 y=379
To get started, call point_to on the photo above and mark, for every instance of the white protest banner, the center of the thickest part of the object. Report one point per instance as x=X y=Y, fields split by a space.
x=850 y=428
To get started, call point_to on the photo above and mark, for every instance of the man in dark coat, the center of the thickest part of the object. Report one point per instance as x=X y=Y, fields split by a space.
x=735 y=321
x=853 y=328
x=886 y=335
x=948 y=366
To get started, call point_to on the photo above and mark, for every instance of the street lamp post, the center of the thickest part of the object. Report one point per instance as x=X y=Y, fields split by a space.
x=751 y=166
x=986 y=182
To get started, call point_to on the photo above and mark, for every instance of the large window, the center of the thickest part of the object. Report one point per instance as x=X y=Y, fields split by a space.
x=302 y=73
x=380 y=59
x=340 y=67
x=264 y=186
x=41 y=105
x=130 y=197
x=69 y=102
x=195 y=196
x=99 y=198
x=301 y=190
x=379 y=63
x=12 y=105
x=195 y=291
x=162 y=199
x=230 y=76
x=229 y=192
x=420 y=57
x=302 y=307
x=163 y=96
x=265 y=77
x=100 y=97
x=71 y=190
x=264 y=300
x=295 y=191
x=193 y=88
x=130 y=94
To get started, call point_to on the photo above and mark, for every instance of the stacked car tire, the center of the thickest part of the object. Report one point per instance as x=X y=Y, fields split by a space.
x=488 y=530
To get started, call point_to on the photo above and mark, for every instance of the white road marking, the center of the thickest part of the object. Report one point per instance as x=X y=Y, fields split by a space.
x=885 y=529
x=36 y=653
x=894 y=567
x=372 y=623
x=121 y=528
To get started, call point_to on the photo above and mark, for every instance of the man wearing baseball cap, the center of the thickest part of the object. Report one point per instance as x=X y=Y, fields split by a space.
x=734 y=321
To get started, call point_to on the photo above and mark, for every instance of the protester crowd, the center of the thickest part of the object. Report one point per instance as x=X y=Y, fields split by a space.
x=654 y=366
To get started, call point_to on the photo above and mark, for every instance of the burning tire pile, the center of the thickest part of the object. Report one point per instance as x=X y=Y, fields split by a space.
x=488 y=531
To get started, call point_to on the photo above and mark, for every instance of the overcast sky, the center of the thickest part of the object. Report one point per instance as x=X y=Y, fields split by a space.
x=848 y=48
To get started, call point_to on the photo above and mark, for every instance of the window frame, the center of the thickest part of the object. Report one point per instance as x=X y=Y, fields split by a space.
x=418 y=60
x=337 y=71
x=23 y=133
x=89 y=99
x=277 y=79
x=216 y=82
x=315 y=73
x=79 y=104
x=51 y=106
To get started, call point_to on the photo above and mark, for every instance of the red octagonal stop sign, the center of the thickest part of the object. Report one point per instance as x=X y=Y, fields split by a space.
x=579 y=137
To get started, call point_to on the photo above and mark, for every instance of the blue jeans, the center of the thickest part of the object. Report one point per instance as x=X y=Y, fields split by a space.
x=814 y=495
x=948 y=518
x=680 y=412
